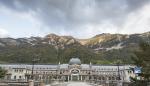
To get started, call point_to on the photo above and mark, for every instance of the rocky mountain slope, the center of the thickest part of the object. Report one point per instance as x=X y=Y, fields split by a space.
x=98 y=49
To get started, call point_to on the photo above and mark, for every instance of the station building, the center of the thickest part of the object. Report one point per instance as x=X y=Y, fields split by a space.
x=73 y=71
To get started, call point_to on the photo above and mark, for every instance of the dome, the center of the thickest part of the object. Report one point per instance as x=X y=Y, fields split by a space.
x=75 y=61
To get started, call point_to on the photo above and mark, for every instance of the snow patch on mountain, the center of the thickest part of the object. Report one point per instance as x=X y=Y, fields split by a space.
x=1 y=44
x=118 y=46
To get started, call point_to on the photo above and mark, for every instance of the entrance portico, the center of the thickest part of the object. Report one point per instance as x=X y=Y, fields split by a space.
x=75 y=77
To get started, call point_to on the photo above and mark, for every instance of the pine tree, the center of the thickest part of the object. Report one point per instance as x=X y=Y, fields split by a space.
x=142 y=59
x=2 y=72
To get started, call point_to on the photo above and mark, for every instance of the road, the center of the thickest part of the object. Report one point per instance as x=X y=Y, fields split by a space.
x=78 y=84
x=71 y=84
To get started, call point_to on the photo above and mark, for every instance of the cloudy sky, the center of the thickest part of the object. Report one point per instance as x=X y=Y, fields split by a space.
x=78 y=18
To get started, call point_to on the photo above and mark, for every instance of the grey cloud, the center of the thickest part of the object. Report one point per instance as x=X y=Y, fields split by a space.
x=71 y=14
x=135 y=4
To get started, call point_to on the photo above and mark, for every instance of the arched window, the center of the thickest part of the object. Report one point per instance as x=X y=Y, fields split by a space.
x=103 y=78
x=100 y=78
x=113 y=78
x=14 y=77
x=19 y=77
x=109 y=78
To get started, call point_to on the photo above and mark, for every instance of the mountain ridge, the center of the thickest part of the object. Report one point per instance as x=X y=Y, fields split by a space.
x=98 y=49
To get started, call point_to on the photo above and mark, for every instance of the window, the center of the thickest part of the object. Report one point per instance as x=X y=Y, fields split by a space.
x=19 y=77
x=100 y=78
x=21 y=70
x=109 y=78
x=103 y=78
x=14 y=77
x=113 y=78
x=16 y=70
x=129 y=71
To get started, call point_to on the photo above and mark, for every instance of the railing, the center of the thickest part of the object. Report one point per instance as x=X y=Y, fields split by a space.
x=17 y=83
x=140 y=83
x=13 y=83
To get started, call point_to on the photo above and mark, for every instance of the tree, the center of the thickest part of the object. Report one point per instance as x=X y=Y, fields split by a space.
x=2 y=72
x=142 y=59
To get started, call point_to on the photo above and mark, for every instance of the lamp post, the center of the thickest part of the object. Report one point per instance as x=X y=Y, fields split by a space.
x=118 y=64
x=118 y=78
x=31 y=82
x=33 y=63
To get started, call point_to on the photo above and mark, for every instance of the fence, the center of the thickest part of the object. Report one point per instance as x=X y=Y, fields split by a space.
x=17 y=83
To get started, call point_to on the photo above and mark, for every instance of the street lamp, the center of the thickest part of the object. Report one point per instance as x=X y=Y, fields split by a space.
x=118 y=78
x=118 y=64
x=33 y=62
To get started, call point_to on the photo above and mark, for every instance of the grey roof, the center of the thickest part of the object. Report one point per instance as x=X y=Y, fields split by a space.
x=63 y=66
x=14 y=65
x=74 y=61
x=85 y=66
x=45 y=67
x=28 y=66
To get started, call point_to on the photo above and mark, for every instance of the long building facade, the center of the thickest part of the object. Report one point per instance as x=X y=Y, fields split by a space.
x=73 y=71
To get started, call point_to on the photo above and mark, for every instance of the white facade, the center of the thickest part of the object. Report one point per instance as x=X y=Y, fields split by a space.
x=71 y=71
x=16 y=71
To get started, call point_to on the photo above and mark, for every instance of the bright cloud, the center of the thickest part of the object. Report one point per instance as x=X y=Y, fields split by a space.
x=3 y=33
x=137 y=22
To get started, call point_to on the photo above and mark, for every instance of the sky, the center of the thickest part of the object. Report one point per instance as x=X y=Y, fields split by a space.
x=77 y=18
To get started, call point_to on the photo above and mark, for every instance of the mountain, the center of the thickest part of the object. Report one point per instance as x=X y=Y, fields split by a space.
x=111 y=41
x=102 y=48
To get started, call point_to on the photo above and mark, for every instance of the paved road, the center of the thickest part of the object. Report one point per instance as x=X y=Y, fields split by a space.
x=71 y=84
x=78 y=84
